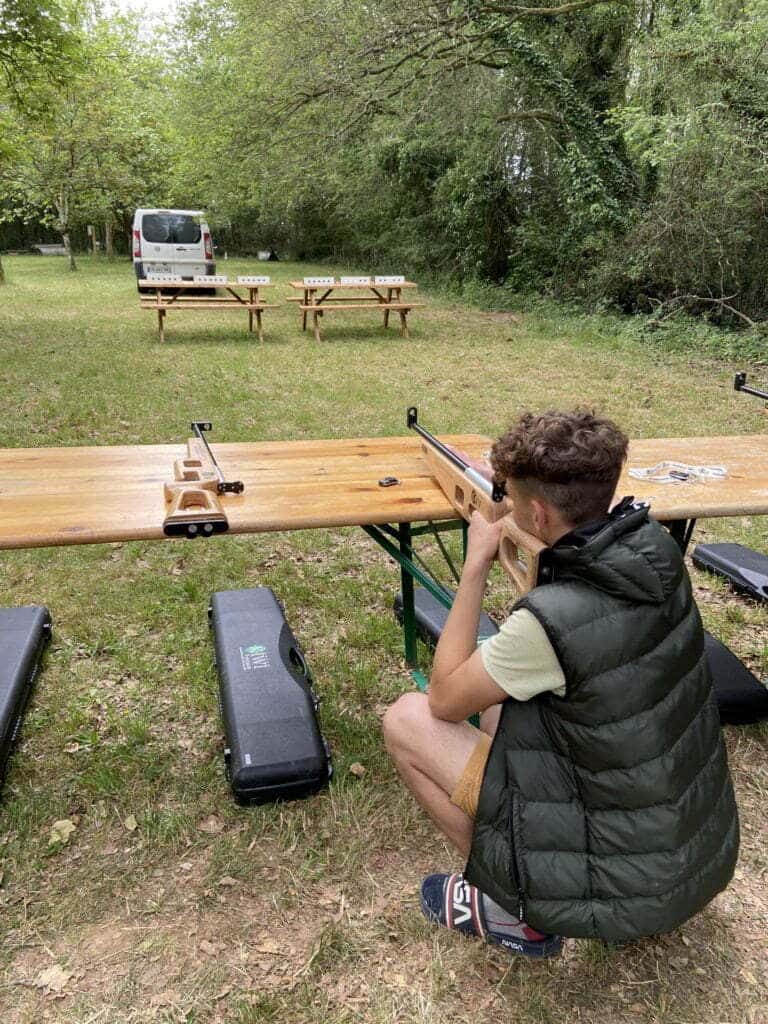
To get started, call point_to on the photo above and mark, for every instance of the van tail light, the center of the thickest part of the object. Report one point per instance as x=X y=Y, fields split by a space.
x=208 y=245
x=137 y=244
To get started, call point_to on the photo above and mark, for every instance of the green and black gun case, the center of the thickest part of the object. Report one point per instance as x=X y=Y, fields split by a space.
x=275 y=749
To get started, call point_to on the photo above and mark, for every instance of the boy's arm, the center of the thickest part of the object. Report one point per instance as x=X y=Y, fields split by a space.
x=459 y=685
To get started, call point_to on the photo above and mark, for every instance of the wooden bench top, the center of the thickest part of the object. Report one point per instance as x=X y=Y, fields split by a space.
x=338 y=286
x=85 y=495
x=204 y=304
x=324 y=307
x=145 y=285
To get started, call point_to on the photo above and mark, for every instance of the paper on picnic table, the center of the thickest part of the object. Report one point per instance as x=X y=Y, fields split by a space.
x=677 y=473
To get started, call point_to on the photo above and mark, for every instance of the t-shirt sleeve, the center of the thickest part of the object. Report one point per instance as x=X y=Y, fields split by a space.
x=521 y=660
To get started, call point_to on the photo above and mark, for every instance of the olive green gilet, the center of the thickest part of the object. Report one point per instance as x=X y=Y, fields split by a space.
x=610 y=812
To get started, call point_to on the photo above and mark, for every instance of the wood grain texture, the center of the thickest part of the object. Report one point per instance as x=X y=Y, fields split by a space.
x=87 y=495
x=743 y=492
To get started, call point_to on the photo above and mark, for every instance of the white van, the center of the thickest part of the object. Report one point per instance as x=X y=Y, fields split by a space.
x=171 y=242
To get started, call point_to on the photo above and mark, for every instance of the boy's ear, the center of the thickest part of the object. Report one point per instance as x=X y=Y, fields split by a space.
x=542 y=516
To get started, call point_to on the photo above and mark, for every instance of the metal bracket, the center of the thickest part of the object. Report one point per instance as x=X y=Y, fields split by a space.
x=223 y=486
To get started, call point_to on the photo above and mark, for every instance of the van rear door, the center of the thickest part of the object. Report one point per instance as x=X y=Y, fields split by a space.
x=187 y=233
x=172 y=243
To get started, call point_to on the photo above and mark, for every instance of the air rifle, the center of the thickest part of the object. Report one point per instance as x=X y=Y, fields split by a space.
x=192 y=501
x=740 y=384
x=469 y=491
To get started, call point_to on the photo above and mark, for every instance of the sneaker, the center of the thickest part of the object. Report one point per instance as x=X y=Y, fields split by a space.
x=450 y=901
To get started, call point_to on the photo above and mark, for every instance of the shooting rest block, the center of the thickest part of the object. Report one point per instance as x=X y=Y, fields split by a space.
x=88 y=495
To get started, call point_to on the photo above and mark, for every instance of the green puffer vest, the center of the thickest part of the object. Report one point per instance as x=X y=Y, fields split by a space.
x=610 y=812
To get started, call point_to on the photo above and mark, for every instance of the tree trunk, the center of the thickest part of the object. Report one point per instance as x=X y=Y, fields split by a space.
x=68 y=247
x=108 y=239
x=2 y=272
x=62 y=211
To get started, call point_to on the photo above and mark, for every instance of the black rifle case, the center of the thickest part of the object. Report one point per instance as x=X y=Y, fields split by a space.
x=274 y=746
x=745 y=570
x=431 y=617
x=23 y=635
x=741 y=698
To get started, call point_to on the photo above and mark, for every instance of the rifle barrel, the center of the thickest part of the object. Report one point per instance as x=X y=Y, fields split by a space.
x=225 y=487
x=477 y=478
x=740 y=384
x=199 y=428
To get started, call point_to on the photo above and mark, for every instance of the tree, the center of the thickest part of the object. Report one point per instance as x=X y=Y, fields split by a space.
x=37 y=42
x=696 y=124
x=90 y=148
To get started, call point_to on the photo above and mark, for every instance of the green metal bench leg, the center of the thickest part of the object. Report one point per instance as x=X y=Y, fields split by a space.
x=406 y=585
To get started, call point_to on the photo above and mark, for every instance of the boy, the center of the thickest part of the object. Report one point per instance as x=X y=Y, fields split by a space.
x=595 y=798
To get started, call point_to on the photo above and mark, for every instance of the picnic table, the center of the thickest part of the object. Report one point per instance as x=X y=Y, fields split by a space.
x=93 y=495
x=173 y=293
x=320 y=295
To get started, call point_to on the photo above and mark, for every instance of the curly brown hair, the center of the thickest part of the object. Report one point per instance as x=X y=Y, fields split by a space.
x=572 y=460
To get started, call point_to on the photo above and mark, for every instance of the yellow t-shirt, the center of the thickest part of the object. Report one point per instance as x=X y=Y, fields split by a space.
x=521 y=660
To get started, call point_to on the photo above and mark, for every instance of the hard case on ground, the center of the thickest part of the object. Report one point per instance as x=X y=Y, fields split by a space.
x=274 y=746
x=746 y=570
x=23 y=635
x=741 y=698
x=431 y=617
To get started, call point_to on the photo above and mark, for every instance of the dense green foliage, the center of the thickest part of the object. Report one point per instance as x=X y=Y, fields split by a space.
x=610 y=151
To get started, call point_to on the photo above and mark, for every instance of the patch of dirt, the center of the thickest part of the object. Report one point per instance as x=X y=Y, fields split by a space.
x=358 y=946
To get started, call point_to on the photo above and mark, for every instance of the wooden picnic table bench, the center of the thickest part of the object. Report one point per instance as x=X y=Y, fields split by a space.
x=382 y=293
x=172 y=293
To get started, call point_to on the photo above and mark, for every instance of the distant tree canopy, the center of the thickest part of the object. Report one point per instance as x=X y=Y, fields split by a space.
x=35 y=37
x=610 y=150
x=84 y=139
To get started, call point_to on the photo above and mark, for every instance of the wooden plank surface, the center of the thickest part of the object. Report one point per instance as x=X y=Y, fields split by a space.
x=192 y=285
x=338 y=287
x=743 y=492
x=82 y=495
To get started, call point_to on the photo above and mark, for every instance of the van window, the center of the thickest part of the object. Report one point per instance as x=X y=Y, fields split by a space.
x=170 y=228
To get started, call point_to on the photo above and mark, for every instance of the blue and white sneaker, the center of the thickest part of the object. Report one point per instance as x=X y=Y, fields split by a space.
x=450 y=901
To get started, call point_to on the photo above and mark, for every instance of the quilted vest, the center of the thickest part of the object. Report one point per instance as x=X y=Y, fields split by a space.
x=610 y=812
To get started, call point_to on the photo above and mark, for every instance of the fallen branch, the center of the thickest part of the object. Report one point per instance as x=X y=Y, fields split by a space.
x=678 y=302
x=722 y=302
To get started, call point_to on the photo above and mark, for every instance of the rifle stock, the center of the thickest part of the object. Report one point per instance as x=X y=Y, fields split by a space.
x=192 y=498
x=519 y=554
x=463 y=492
x=468 y=491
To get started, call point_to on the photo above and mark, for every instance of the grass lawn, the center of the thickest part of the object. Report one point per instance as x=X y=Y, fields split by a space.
x=168 y=902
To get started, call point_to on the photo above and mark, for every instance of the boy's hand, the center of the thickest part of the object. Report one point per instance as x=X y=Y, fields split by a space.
x=483 y=540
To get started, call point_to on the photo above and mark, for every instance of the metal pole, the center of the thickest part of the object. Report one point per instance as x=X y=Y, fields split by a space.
x=409 y=605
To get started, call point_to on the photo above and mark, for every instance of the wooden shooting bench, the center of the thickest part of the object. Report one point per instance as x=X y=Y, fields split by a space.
x=320 y=295
x=173 y=294
x=90 y=495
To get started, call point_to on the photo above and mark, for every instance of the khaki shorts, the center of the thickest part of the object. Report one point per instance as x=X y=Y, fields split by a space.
x=466 y=792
